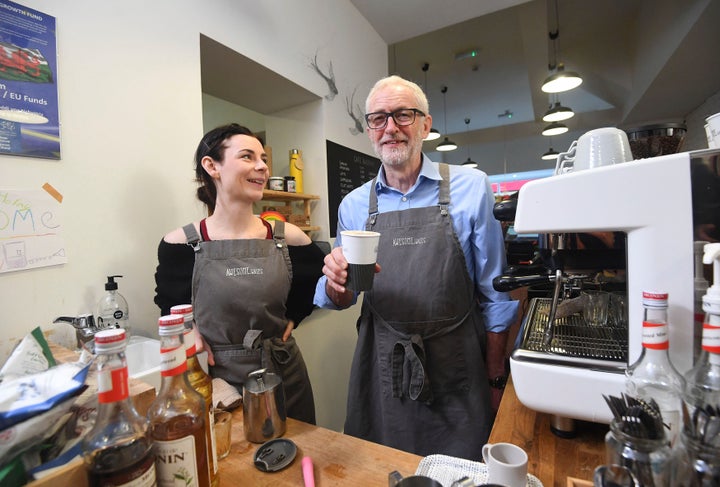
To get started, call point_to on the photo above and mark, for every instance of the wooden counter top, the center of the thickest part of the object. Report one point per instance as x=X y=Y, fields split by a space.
x=550 y=458
x=338 y=459
x=347 y=461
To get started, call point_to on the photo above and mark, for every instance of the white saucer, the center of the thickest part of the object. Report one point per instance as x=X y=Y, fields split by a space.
x=447 y=469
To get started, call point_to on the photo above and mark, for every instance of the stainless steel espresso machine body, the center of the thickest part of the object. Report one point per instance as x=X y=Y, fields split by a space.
x=662 y=205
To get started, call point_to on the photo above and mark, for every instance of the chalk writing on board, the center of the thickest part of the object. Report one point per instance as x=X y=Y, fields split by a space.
x=30 y=230
x=347 y=169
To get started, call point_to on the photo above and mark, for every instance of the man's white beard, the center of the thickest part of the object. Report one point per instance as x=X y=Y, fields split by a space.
x=396 y=156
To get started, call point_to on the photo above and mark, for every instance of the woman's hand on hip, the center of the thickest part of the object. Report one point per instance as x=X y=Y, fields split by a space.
x=201 y=345
x=288 y=330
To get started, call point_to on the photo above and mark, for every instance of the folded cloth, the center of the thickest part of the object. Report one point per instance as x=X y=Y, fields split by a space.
x=569 y=307
x=225 y=396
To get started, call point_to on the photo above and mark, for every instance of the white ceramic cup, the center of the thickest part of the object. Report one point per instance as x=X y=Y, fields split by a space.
x=565 y=160
x=596 y=148
x=713 y=130
x=506 y=463
x=360 y=249
x=710 y=137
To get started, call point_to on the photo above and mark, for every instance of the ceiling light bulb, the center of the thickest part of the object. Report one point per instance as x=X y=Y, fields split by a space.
x=555 y=129
x=433 y=135
x=558 y=113
x=561 y=81
x=446 y=145
x=550 y=155
x=470 y=163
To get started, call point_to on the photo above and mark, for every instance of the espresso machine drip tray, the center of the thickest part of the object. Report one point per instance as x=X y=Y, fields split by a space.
x=574 y=343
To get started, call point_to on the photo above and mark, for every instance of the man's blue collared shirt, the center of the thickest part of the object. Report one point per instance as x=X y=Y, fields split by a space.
x=479 y=233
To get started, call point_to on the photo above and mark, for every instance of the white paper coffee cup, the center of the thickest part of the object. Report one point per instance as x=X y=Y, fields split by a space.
x=360 y=249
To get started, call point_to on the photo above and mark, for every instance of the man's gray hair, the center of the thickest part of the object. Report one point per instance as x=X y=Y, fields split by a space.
x=420 y=99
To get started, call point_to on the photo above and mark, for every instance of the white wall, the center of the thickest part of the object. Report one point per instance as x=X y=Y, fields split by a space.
x=131 y=113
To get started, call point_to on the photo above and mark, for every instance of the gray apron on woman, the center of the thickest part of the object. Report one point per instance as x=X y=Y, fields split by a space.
x=239 y=289
x=418 y=380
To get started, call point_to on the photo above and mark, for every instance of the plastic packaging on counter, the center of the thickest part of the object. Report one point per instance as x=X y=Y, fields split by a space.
x=31 y=356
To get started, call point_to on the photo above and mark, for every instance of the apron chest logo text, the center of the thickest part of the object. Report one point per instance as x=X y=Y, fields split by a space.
x=401 y=241
x=243 y=271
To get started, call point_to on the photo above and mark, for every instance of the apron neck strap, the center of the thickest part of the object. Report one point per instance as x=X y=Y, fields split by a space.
x=444 y=191
x=279 y=232
x=192 y=236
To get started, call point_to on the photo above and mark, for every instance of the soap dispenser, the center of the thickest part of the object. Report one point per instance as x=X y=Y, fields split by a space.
x=112 y=309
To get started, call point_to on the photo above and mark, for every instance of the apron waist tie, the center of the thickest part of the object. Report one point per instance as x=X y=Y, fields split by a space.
x=271 y=352
x=411 y=353
x=410 y=349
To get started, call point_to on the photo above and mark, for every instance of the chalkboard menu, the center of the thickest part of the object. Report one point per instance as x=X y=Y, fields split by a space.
x=346 y=170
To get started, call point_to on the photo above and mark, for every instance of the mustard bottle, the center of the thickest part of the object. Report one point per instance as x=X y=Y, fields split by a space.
x=296 y=169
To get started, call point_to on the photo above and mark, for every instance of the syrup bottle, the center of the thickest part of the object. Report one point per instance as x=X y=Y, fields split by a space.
x=202 y=383
x=118 y=450
x=703 y=380
x=653 y=376
x=177 y=415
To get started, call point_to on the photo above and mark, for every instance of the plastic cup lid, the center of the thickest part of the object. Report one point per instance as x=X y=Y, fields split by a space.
x=275 y=455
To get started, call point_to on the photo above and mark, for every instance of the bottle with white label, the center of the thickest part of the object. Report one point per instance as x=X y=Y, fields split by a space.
x=201 y=382
x=701 y=285
x=118 y=450
x=703 y=380
x=653 y=376
x=177 y=415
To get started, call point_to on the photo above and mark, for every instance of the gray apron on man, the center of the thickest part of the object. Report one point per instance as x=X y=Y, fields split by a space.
x=239 y=290
x=418 y=380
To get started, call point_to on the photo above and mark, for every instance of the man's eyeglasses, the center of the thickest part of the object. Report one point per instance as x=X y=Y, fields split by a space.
x=402 y=117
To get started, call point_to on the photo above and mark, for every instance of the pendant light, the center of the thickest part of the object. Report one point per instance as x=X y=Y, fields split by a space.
x=555 y=128
x=561 y=80
x=446 y=145
x=551 y=154
x=558 y=113
x=434 y=133
x=469 y=162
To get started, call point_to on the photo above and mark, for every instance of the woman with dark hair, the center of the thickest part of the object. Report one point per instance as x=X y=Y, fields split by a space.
x=250 y=281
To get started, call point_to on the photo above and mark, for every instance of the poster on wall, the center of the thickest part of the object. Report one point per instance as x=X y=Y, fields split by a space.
x=30 y=229
x=29 y=123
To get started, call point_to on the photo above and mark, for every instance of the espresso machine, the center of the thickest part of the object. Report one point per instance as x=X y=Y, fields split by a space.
x=662 y=205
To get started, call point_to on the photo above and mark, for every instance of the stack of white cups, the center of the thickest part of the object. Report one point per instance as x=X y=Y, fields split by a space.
x=712 y=130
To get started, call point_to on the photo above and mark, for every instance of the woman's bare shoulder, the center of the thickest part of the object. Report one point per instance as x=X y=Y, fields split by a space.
x=177 y=236
x=295 y=236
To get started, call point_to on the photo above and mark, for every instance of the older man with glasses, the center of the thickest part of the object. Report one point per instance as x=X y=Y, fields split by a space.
x=429 y=364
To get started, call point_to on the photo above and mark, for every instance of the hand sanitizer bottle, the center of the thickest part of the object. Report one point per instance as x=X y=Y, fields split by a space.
x=112 y=309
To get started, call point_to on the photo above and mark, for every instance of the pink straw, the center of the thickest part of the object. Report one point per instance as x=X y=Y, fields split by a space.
x=308 y=475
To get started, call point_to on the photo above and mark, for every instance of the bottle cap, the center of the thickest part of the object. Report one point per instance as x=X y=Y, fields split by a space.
x=112 y=340
x=655 y=299
x=182 y=309
x=171 y=325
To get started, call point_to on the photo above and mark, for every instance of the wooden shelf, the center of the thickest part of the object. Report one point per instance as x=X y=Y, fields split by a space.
x=288 y=199
x=269 y=194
